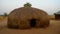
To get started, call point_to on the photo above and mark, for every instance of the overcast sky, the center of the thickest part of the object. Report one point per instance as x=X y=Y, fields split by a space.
x=50 y=6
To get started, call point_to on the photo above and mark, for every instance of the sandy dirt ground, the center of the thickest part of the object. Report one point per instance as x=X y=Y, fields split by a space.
x=54 y=28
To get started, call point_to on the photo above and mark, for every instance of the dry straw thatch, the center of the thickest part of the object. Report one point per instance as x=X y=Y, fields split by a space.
x=21 y=18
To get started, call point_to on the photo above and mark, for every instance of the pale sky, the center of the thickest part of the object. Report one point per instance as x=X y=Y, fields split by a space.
x=50 y=6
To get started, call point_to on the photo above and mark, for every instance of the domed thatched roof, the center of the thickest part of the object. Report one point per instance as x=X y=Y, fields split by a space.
x=23 y=15
x=28 y=13
x=57 y=12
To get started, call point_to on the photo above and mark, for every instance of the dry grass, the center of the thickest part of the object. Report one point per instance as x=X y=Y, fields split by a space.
x=54 y=28
x=3 y=21
x=52 y=17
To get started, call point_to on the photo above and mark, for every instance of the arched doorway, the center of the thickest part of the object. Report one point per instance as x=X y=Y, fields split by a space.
x=32 y=22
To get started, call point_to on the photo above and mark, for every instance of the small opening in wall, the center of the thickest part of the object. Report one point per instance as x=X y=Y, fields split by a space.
x=32 y=22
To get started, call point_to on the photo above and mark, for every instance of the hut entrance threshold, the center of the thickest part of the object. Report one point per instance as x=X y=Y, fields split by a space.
x=32 y=22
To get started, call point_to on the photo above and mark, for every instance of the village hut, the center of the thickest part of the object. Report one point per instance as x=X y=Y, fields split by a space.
x=57 y=15
x=27 y=17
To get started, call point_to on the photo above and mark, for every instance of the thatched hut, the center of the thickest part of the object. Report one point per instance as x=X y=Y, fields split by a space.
x=57 y=15
x=27 y=17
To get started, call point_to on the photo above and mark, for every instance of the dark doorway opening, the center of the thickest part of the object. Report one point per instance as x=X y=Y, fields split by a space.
x=32 y=22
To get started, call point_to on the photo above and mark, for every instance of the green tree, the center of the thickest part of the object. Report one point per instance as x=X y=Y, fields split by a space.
x=5 y=14
x=27 y=5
